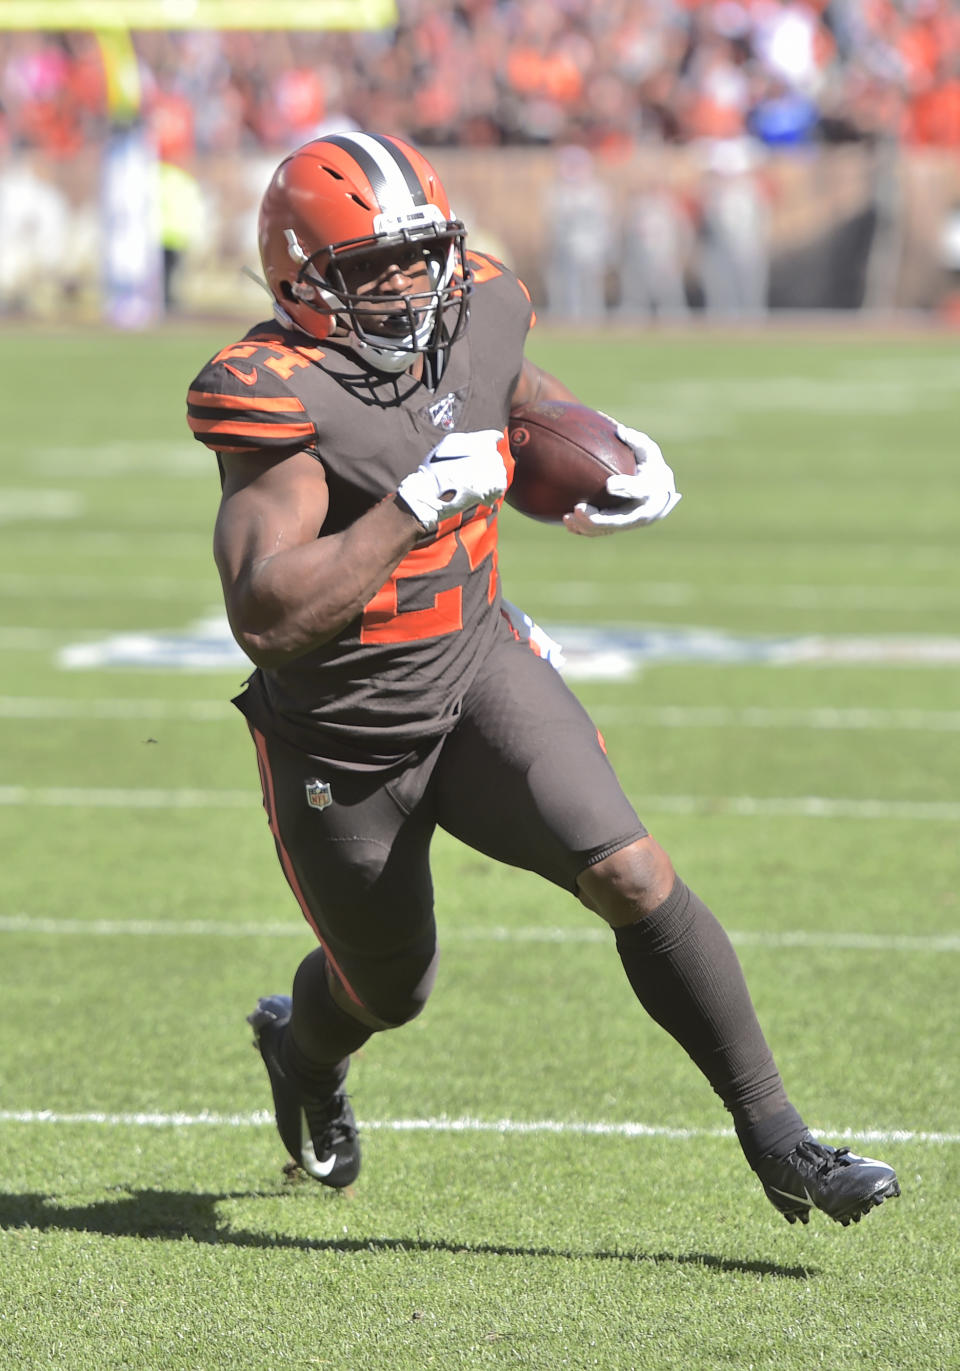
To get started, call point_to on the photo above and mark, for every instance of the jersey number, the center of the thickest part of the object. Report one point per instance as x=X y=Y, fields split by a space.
x=383 y=622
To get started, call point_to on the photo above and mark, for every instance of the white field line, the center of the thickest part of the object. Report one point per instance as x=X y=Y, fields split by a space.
x=14 y=638
x=874 y=598
x=123 y=459
x=190 y=711
x=827 y=718
x=208 y=928
x=115 y=542
x=928 y=555
x=522 y=1127
x=823 y=718
x=78 y=587
x=18 y=504
x=108 y=798
x=738 y=806
x=883 y=554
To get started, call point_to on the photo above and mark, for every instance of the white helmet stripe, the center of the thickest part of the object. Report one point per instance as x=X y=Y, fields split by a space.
x=393 y=179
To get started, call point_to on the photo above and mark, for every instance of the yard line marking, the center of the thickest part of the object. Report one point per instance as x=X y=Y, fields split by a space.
x=738 y=806
x=260 y=1118
x=803 y=806
x=205 y=711
x=871 y=598
x=115 y=587
x=887 y=554
x=121 y=459
x=667 y=716
x=19 y=505
x=113 y=542
x=148 y=928
x=57 y=796
x=14 y=638
x=208 y=928
x=855 y=942
x=719 y=716
x=678 y=594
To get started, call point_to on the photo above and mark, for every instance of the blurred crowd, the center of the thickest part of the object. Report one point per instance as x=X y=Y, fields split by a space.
x=601 y=74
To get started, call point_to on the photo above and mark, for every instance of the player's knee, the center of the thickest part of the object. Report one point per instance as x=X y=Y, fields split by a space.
x=395 y=1000
x=629 y=883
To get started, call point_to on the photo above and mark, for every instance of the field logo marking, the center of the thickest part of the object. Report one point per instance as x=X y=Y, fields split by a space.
x=594 y=654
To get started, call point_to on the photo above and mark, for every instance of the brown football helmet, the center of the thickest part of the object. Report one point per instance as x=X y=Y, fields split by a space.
x=329 y=204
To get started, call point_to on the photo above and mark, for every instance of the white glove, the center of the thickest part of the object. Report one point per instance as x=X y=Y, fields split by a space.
x=525 y=630
x=648 y=495
x=463 y=470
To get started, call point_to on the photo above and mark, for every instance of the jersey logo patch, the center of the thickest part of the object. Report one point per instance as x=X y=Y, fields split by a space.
x=319 y=794
x=444 y=413
x=247 y=377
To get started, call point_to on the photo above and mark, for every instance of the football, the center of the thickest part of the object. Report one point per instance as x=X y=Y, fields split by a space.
x=564 y=453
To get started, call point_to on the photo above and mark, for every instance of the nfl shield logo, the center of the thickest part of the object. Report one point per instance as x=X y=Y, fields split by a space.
x=319 y=794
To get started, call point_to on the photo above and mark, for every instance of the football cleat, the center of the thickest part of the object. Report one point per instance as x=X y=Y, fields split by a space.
x=834 y=1179
x=319 y=1131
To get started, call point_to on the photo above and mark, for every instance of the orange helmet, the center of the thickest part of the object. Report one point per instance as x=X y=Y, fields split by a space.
x=335 y=199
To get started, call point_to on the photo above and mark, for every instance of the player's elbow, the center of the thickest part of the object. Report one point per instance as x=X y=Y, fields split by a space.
x=259 y=648
x=278 y=645
x=272 y=642
x=275 y=622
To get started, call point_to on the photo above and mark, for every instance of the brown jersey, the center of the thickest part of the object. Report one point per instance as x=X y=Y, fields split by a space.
x=396 y=674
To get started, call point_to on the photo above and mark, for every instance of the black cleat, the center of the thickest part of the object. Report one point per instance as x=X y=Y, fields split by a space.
x=319 y=1132
x=817 y=1176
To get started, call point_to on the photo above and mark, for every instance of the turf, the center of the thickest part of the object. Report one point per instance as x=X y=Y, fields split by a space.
x=570 y=1195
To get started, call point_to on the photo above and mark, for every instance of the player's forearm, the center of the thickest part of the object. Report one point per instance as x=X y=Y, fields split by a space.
x=295 y=600
x=552 y=388
x=535 y=384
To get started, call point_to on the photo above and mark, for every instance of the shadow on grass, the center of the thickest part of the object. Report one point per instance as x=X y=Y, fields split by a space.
x=173 y=1215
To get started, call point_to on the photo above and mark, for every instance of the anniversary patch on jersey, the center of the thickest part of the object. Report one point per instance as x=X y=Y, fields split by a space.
x=445 y=412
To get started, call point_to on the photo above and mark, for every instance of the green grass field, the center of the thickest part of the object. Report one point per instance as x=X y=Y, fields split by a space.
x=547 y=1181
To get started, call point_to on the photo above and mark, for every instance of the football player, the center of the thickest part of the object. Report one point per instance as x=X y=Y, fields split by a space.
x=360 y=435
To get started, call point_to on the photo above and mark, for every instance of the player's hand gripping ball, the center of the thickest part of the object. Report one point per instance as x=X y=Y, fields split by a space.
x=564 y=453
x=578 y=466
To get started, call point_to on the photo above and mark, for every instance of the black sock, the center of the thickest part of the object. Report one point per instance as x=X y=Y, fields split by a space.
x=685 y=973
x=321 y=1036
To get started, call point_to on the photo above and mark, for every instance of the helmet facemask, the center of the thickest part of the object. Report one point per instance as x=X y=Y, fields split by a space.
x=388 y=330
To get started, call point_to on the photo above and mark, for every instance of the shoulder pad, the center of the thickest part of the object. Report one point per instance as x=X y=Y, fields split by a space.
x=241 y=400
x=484 y=269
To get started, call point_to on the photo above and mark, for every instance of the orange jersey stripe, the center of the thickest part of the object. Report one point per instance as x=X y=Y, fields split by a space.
x=206 y=399
x=271 y=431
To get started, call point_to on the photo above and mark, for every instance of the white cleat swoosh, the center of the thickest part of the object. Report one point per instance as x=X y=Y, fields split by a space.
x=308 y=1156
x=308 y=1159
x=805 y=1198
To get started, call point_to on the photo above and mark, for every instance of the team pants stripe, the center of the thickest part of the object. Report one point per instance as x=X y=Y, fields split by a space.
x=269 y=804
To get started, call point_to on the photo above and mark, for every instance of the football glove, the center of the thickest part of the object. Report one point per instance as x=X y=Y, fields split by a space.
x=650 y=494
x=463 y=470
